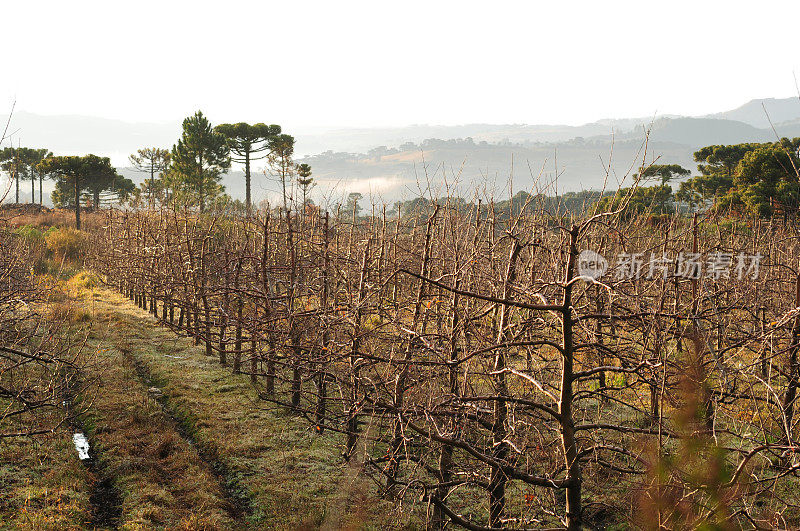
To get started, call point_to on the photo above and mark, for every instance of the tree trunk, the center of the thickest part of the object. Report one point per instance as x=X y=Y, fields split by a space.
x=237 y=354
x=253 y=360
x=352 y=413
x=792 y=370
x=247 y=183
x=223 y=325
x=294 y=334
x=152 y=182
x=223 y=358
x=497 y=478
x=283 y=184
x=446 y=456
x=270 y=354
x=77 y=203
x=323 y=363
x=569 y=444
x=201 y=180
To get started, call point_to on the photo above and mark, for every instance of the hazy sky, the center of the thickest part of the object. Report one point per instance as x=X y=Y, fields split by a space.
x=394 y=63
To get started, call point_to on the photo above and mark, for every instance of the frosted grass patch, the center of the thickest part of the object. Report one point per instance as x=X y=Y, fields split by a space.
x=81 y=445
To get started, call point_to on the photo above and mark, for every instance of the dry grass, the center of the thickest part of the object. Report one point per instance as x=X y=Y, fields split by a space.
x=42 y=484
x=18 y=217
x=65 y=312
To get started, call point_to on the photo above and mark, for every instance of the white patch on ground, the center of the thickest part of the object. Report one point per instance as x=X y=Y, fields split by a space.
x=81 y=445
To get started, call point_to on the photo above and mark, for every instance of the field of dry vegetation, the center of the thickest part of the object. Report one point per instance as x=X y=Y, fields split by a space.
x=451 y=368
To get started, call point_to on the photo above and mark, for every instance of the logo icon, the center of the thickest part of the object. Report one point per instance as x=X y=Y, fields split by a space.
x=592 y=264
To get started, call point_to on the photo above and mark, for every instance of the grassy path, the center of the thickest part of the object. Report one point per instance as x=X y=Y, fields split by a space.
x=162 y=480
x=190 y=446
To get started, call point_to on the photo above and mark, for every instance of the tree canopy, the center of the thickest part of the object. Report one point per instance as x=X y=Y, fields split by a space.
x=98 y=192
x=200 y=158
x=154 y=161
x=87 y=173
x=20 y=163
x=640 y=199
x=721 y=158
x=758 y=179
x=248 y=143
x=304 y=181
x=664 y=172
x=766 y=182
x=281 y=151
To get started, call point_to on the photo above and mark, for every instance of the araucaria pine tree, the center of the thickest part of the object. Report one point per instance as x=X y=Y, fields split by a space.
x=281 y=151
x=79 y=174
x=200 y=158
x=153 y=161
x=248 y=143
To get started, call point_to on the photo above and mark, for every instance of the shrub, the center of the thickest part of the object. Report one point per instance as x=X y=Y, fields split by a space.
x=65 y=242
x=31 y=242
x=85 y=280
x=30 y=234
